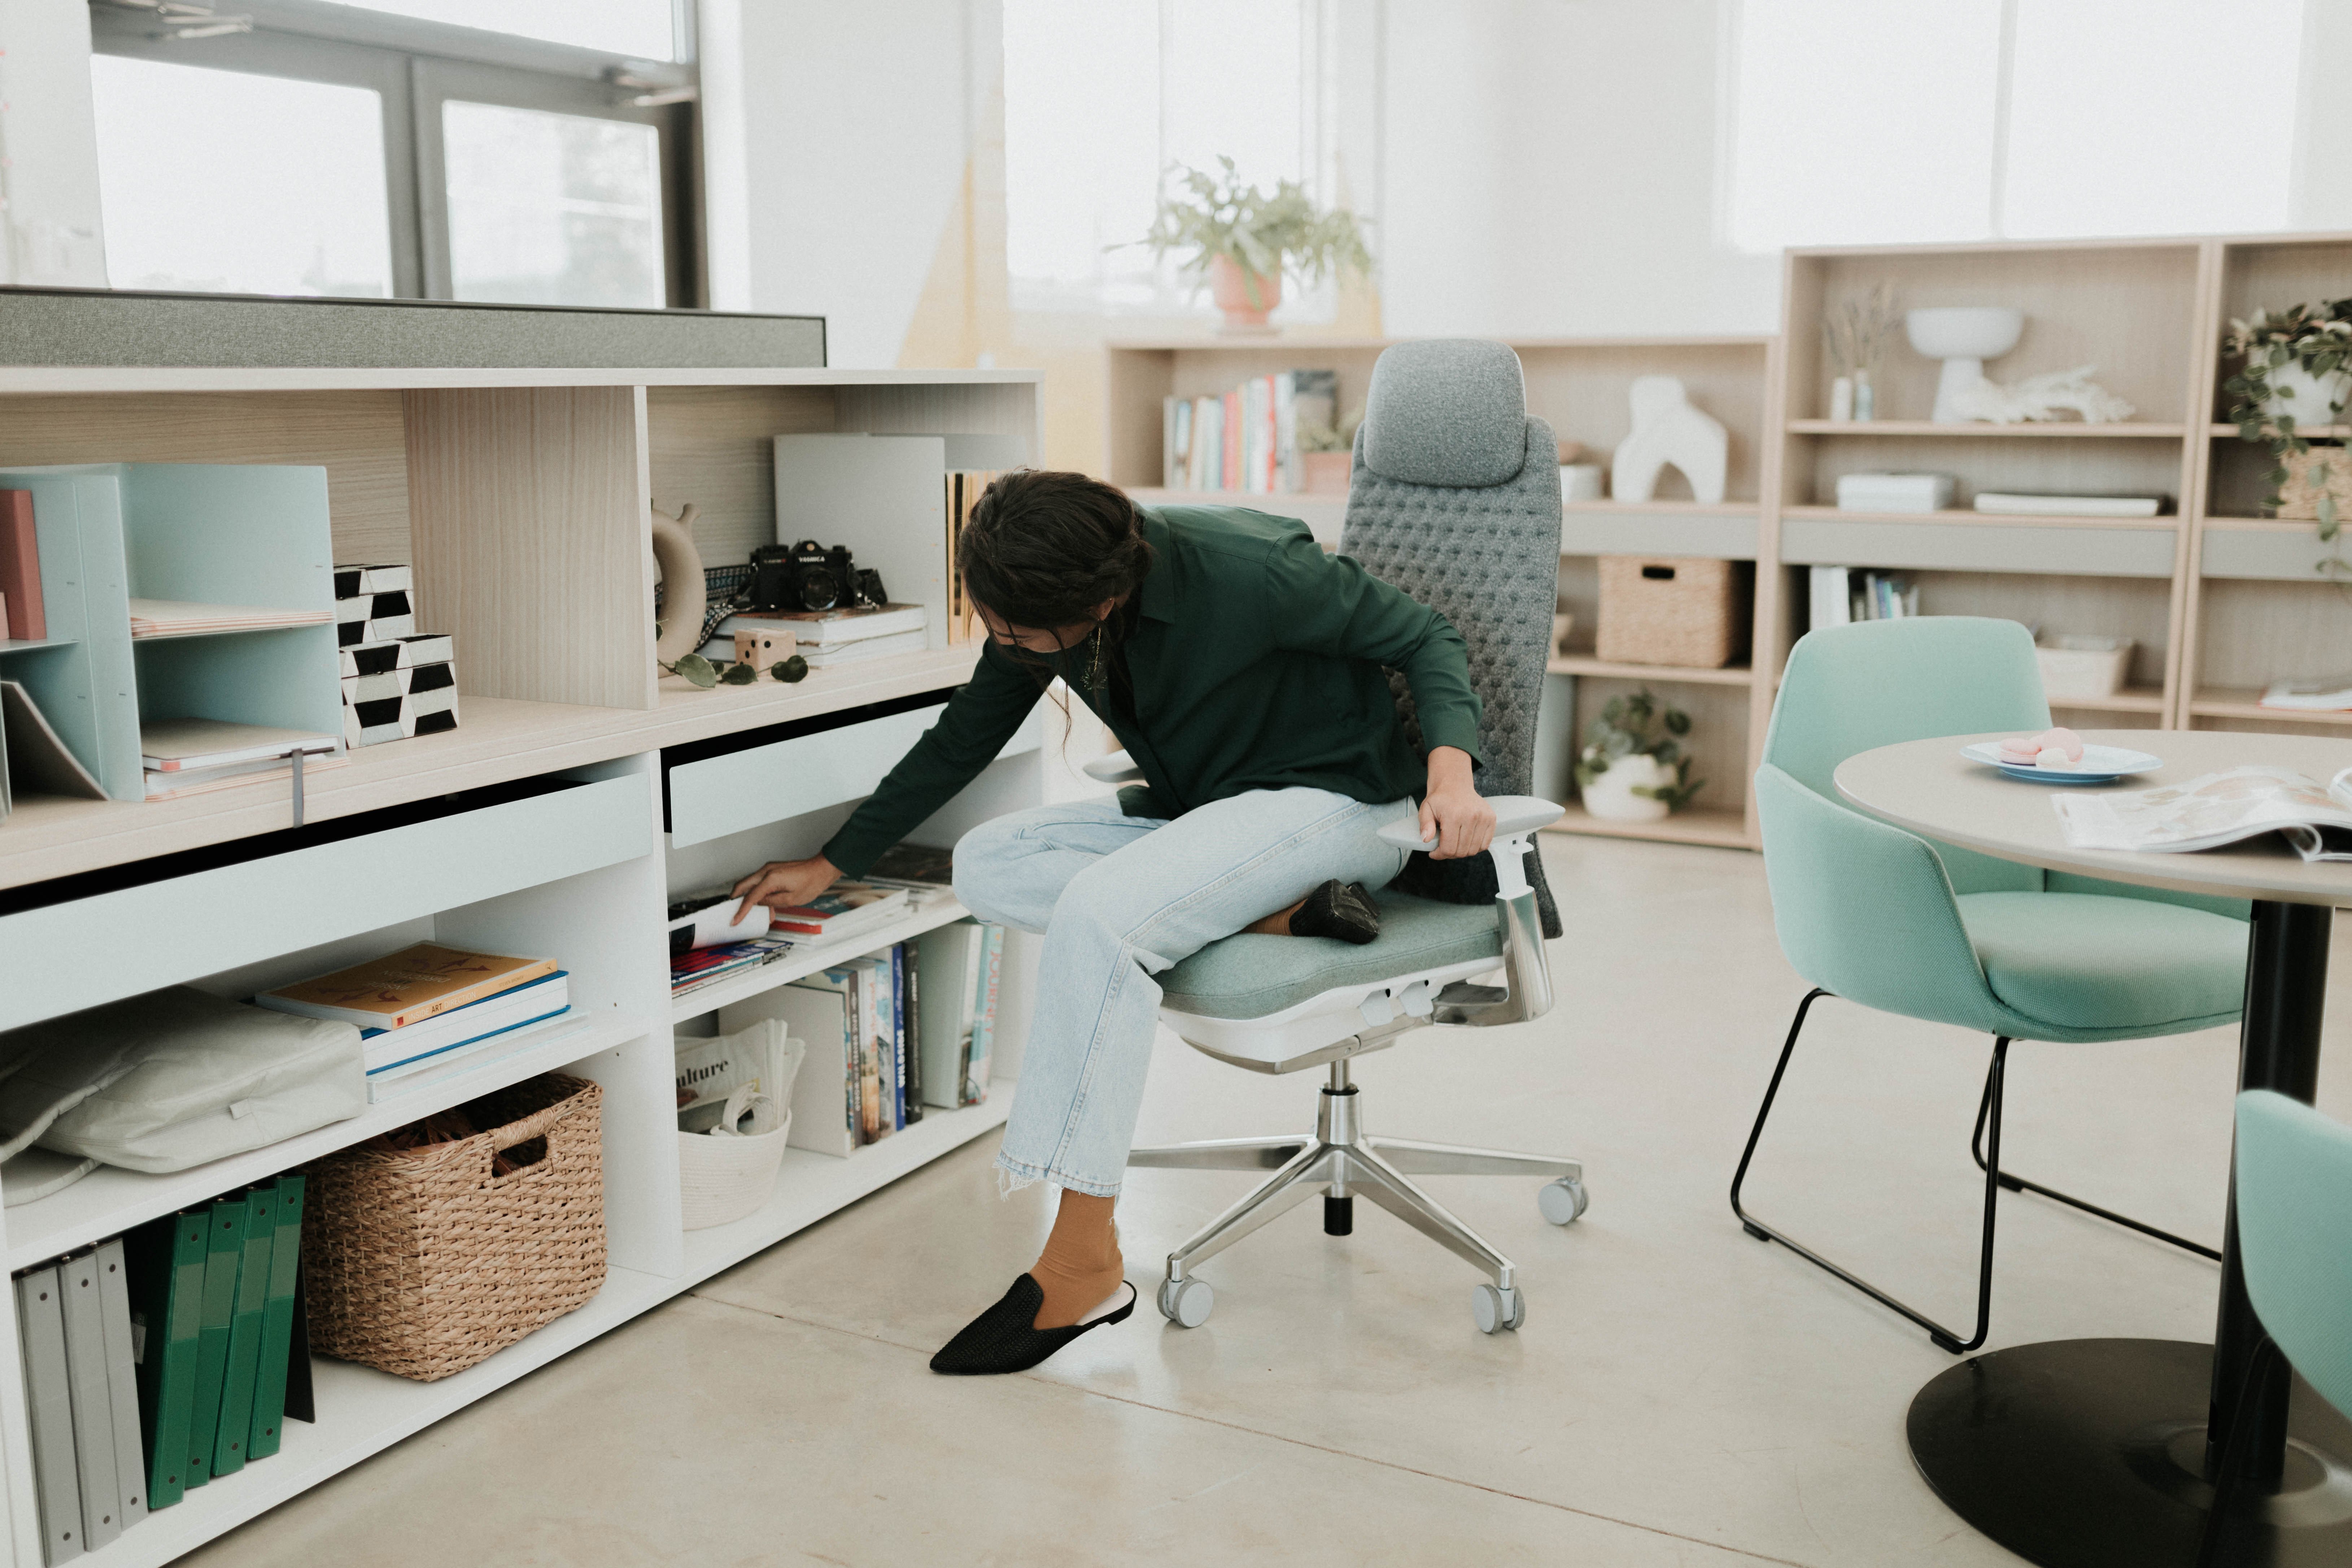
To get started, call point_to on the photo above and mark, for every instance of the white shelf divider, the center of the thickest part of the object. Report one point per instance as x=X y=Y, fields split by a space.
x=801 y=963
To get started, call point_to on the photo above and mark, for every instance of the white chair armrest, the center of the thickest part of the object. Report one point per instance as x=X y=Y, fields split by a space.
x=1515 y=816
x=1118 y=768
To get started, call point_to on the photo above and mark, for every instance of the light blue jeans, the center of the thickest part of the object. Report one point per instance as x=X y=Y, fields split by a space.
x=1120 y=900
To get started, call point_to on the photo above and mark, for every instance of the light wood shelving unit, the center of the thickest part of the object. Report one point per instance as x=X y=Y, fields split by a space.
x=1578 y=385
x=542 y=824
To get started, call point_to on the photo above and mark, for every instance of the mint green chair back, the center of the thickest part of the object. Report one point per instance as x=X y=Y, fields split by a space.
x=2294 y=1232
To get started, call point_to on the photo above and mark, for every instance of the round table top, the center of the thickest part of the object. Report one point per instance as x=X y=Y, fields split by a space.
x=1929 y=787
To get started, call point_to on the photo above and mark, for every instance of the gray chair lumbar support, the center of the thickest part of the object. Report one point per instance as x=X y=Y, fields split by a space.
x=1454 y=499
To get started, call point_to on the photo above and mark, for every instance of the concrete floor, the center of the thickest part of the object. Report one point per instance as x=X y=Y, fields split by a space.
x=1680 y=1394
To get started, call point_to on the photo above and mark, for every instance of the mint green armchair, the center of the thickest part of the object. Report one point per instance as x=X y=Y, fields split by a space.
x=1872 y=914
x=2293 y=1194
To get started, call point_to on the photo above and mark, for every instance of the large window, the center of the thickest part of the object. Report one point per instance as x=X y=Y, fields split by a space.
x=384 y=149
x=1103 y=97
x=1852 y=122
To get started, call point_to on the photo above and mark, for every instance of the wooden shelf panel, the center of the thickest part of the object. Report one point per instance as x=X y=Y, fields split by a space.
x=2245 y=703
x=1236 y=343
x=109 y=1201
x=2050 y=430
x=52 y=380
x=1972 y=518
x=2316 y=432
x=2130 y=699
x=1693 y=824
x=497 y=739
x=1667 y=674
x=801 y=963
x=1926 y=541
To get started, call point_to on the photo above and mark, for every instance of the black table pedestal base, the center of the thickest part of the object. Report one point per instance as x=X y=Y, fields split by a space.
x=2090 y=1454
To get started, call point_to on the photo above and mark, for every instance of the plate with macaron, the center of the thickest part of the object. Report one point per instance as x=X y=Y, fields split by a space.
x=2060 y=756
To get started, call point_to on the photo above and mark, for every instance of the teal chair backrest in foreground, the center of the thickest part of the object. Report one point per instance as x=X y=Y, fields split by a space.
x=1876 y=915
x=2295 y=1231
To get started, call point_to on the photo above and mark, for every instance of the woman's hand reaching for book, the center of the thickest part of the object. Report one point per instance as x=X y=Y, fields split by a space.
x=1453 y=811
x=781 y=884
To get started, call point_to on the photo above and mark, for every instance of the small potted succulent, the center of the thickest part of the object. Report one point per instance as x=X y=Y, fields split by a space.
x=2297 y=374
x=1241 y=238
x=1327 y=453
x=1633 y=767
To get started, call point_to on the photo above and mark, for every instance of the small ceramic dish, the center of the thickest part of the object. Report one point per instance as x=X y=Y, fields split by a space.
x=2100 y=764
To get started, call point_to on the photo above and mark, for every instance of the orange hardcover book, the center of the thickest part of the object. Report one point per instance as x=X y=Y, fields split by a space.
x=404 y=987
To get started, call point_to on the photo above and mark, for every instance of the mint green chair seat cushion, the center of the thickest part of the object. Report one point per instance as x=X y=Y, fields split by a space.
x=1248 y=976
x=2086 y=962
x=2294 y=1230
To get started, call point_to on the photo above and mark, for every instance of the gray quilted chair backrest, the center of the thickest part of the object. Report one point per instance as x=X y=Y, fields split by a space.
x=1455 y=497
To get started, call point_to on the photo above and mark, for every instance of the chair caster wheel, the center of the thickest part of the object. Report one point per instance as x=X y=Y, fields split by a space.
x=1494 y=1309
x=1186 y=1302
x=1563 y=1201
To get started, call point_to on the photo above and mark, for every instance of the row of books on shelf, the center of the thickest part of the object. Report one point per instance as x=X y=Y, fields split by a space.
x=886 y=1035
x=709 y=944
x=160 y=1360
x=1844 y=595
x=1247 y=440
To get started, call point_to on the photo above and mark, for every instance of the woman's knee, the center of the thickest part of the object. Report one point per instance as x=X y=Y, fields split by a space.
x=978 y=855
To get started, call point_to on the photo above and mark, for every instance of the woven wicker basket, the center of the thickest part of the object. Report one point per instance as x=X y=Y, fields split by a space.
x=1684 y=611
x=424 y=1262
x=2299 y=497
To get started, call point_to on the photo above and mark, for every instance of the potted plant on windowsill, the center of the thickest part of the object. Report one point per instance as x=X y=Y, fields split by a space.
x=1633 y=767
x=1241 y=238
x=2297 y=372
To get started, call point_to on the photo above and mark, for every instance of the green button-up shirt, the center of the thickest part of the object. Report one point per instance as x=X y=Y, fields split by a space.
x=1257 y=662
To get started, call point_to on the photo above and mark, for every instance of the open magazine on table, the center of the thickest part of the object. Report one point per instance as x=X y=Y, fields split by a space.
x=2217 y=809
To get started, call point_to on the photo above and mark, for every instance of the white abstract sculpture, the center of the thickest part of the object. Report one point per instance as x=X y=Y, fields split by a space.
x=2040 y=398
x=1667 y=429
x=1963 y=337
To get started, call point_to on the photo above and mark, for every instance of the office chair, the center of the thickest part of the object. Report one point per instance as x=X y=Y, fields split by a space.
x=1869 y=912
x=1455 y=497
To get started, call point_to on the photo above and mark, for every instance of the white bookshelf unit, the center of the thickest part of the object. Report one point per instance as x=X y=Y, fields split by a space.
x=546 y=823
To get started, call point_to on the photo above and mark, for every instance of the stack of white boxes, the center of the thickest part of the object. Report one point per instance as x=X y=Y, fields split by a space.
x=396 y=684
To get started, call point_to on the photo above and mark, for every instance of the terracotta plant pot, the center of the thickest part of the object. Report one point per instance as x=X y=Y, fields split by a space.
x=1328 y=472
x=1229 y=285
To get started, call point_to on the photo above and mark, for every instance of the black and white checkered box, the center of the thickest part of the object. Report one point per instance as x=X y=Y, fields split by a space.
x=399 y=688
x=372 y=603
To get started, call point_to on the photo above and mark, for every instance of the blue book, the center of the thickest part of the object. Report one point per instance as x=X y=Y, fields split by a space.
x=389 y=1050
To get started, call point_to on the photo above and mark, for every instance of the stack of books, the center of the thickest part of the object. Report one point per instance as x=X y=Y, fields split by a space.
x=927 y=875
x=1247 y=440
x=195 y=756
x=159 y=1359
x=826 y=637
x=1843 y=594
x=428 y=1013
x=698 y=968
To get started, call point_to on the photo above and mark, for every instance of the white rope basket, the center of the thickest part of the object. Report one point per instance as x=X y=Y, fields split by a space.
x=722 y=1179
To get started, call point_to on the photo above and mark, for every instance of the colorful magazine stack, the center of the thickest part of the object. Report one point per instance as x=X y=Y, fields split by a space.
x=156 y=1360
x=1247 y=440
x=428 y=1013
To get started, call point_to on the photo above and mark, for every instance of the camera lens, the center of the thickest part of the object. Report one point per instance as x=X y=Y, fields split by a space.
x=819 y=590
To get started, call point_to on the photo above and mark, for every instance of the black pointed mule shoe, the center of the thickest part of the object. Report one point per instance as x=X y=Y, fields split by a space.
x=1341 y=910
x=1005 y=1338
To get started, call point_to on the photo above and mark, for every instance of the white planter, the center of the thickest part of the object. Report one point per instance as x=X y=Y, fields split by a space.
x=1611 y=798
x=2312 y=393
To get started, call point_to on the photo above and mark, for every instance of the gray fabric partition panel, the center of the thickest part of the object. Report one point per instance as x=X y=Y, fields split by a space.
x=117 y=328
x=1486 y=558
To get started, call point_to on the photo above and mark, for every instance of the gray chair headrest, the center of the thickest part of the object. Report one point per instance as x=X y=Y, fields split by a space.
x=1446 y=411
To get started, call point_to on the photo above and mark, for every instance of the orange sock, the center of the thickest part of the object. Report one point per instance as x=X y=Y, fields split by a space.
x=1080 y=1267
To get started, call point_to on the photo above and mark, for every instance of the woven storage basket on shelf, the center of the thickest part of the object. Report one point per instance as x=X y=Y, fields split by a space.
x=1690 y=612
x=424 y=1262
x=2299 y=496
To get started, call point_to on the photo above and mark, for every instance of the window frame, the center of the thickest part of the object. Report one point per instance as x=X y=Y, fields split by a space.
x=414 y=67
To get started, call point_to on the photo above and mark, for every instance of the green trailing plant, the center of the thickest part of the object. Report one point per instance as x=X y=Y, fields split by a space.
x=1215 y=215
x=2316 y=339
x=1640 y=725
x=693 y=666
x=790 y=672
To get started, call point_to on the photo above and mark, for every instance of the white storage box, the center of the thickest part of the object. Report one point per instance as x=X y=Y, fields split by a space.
x=2083 y=666
x=1895 y=492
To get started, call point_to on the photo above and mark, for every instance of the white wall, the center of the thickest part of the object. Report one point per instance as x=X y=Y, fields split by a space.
x=856 y=125
x=1551 y=169
x=48 y=146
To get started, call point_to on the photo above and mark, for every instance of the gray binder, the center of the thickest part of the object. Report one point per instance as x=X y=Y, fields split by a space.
x=92 y=1399
x=122 y=1381
x=49 y=1402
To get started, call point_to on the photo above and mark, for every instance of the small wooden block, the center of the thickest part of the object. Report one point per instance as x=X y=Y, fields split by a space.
x=762 y=649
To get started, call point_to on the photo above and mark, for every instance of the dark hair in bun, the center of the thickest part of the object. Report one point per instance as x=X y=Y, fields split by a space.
x=1043 y=550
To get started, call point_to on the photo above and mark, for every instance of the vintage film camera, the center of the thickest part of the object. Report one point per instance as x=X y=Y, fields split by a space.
x=808 y=576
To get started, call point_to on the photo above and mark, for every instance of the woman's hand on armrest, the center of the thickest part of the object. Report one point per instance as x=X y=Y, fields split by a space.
x=781 y=884
x=1453 y=811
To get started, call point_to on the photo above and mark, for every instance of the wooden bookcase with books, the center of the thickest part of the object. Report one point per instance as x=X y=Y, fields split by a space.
x=580 y=792
x=1579 y=386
